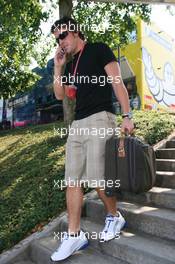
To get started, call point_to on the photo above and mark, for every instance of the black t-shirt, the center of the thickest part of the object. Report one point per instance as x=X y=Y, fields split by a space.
x=94 y=90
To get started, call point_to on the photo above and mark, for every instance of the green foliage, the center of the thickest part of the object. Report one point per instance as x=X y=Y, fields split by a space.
x=122 y=17
x=152 y=126
x=19 y=31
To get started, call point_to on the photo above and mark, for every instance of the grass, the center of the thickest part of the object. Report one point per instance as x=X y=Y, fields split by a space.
x=31 y=159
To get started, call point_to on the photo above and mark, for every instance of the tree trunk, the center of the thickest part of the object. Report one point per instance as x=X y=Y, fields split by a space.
x=4 y=111
x=65 y=9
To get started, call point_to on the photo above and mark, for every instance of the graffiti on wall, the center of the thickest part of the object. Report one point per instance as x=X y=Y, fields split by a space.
x=163 y=90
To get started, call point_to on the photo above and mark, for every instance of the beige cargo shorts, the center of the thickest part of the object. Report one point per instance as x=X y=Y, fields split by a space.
x=85 y=149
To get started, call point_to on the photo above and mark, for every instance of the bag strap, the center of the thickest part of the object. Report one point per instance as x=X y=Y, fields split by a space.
x=121 y=149
x=77 y=63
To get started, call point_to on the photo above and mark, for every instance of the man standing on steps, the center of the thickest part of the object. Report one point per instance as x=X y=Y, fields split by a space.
x=93 y=62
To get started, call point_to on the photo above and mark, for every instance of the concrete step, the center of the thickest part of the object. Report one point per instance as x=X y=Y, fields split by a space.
x=165 y=179
x=132 y=247
x=24 y=262
x=165 y=164
x=170 y=144
x=168 y=153
x=156 y=221
x=42 y=249
x=161 y=197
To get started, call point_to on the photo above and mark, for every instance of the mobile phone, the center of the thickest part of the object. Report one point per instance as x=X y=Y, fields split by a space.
x=62 y=53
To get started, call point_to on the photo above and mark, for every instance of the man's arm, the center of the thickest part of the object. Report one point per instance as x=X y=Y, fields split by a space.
x=60 y=59
x=59 y=88
x=113 y=71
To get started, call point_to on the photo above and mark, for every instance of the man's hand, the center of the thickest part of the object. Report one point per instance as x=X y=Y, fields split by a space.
x=59 y=61
x=127 y=126
x=60 y=57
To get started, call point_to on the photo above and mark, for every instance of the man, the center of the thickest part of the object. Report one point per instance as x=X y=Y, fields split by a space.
x=94 y=109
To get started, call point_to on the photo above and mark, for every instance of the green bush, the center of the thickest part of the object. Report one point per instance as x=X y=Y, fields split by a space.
x=152 y=126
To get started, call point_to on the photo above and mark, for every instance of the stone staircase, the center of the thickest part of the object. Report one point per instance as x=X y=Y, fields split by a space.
x=149 y=237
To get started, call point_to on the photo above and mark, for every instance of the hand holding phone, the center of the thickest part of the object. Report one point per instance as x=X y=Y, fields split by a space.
x=60 y=57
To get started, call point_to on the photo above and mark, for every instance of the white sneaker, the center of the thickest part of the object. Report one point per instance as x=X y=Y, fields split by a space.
x=113 y=226
x=69 y=245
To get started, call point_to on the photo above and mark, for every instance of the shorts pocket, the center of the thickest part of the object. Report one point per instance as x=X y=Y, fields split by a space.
x=111 y=119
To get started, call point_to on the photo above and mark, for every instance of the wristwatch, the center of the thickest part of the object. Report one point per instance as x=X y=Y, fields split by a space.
x=128 y=115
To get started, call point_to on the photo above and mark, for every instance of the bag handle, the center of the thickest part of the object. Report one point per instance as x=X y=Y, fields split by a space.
x=121 y=149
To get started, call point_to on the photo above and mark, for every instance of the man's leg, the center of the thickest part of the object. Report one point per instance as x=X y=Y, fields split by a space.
x=74 y=170
x=114 y=221
x=74 y=199
x=110 y=203
x=72 y=240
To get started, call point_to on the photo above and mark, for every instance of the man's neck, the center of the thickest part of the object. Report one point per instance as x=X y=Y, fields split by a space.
x=79 y=47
